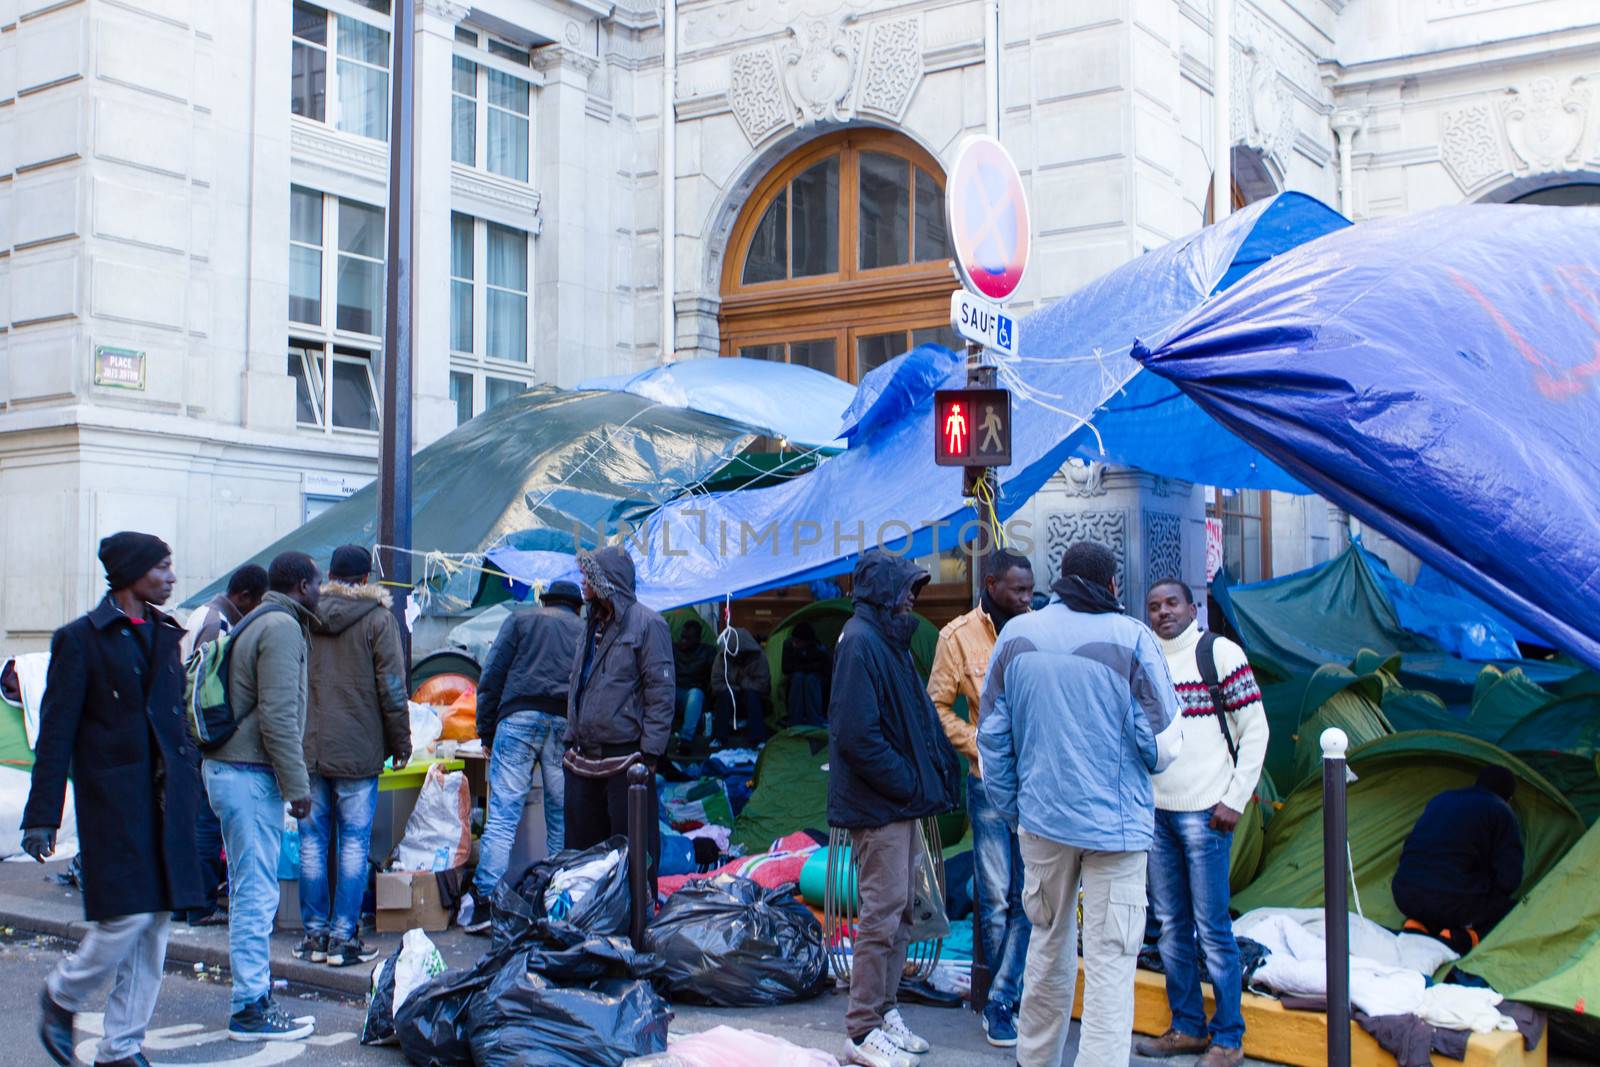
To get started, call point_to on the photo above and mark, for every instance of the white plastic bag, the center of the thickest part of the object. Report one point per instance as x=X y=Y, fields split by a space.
x=415 y=963
x=14 y=785
x=425 y=728
x=438 y=835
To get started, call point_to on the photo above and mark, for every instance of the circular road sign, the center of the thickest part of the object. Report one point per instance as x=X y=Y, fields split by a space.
x=987 y=211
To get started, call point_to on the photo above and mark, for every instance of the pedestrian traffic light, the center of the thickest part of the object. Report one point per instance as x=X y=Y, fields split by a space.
x=972 y=428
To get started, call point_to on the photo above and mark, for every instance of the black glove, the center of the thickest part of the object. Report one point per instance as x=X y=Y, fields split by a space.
x=39 y=842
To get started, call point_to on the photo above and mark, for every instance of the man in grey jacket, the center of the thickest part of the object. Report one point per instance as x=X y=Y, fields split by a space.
x=1078 y=712
x=619 y=707
x=253 y=774
x=522 y=715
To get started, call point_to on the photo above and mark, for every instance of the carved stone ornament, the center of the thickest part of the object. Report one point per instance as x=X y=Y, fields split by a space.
x=893 y=67
x=1470 y=146
x=1163 y=545
x=1084 y=479
x=1262 y=109
x=755 y=94
x=1108 y=528
x=819 y=68
x=1545 y=122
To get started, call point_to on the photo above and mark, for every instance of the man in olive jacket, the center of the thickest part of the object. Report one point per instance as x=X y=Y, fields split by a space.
x=619 y=704
x=356 y=717
x=113 y=717
x=253 y=774
x=890 y=765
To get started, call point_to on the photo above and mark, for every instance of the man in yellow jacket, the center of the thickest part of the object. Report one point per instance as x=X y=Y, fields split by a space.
x=959 y=664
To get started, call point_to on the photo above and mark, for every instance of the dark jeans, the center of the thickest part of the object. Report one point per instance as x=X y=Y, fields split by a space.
x=1189 y=889
x=1441 y=909
x=752 y=711
x=806 y=705
x=597 y=809
x=208 y=845
x=997 y=874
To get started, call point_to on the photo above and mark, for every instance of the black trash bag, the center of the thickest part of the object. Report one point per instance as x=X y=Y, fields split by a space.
x=587 y=960
x=517 y=912
x=379 y=1026
x=727 y=941
x=432 y=1023
x=525 y=1020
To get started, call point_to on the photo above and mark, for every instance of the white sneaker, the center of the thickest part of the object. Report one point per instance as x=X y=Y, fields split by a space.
x=877 y=1049
x=901 y=1034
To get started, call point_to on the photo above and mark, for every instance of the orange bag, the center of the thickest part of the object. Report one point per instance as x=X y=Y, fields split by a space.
x=460 y=720
x=443 y=689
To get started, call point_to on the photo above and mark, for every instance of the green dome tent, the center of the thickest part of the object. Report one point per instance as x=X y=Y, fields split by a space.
x=1547 y=950
x=1396 y=777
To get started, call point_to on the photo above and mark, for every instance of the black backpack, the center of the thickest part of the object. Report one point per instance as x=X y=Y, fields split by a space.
x=1205 y=657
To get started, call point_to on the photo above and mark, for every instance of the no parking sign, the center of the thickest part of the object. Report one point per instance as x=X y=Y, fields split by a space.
x=987 y=211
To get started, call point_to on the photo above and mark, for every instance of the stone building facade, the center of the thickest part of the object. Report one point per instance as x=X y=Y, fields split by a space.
x=191 y=217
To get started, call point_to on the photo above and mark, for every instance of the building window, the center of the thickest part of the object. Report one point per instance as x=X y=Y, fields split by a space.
x=335 y=386
x=488 y=312
x=839 y=261
x=353 y=273
x=495 y=136
x=359 y=103
x=461 y=395
x=336 y=249
x=1246 y=532
x=499 y=390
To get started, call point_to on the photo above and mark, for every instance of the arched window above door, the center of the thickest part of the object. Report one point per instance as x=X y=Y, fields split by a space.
x=840 y=260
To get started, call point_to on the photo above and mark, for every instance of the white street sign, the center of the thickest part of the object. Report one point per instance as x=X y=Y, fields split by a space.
x=982 y=322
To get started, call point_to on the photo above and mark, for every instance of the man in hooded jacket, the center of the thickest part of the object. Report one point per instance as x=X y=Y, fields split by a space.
x=890 y=765
x=619 y=704
x=356 y=717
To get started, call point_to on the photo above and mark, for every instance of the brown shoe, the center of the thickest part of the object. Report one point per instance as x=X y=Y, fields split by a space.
x=1221 y=1056
x=1171 y=1043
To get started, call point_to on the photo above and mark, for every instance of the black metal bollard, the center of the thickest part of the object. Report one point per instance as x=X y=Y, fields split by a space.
x=1335 y=880
x=640 y=781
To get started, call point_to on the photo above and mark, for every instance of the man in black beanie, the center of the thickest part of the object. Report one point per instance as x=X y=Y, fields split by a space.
x=113 y=715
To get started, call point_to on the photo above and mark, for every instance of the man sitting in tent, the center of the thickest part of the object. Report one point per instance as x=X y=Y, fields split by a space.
x=1460 y=868
x=806 y=667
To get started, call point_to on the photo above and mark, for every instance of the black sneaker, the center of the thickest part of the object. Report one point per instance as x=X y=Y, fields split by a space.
x=55 y=1029
x=313 y=948
x=349 y=953
x=266 y=1021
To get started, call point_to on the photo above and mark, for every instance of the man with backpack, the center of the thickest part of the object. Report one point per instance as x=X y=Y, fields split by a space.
x=356 y=717
x=255 y=763
x=246 y=587
x=1199 y=799
x=110 y=718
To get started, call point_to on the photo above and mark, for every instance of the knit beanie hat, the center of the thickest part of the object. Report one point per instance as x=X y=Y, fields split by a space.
x=129 y=556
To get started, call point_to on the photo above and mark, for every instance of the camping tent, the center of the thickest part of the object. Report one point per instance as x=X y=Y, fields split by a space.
x=547 y=462
x=1396 y=776
x=1547 y=950
x=827 y=618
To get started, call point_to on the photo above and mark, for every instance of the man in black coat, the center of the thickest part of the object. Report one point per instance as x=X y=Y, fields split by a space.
x=1462 y=863
x=890 y=765
x=113 y=716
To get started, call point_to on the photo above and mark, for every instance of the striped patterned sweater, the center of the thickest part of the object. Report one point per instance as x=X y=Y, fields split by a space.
x=1204 y=773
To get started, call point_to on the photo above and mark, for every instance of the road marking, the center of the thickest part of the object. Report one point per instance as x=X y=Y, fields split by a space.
x=193 y=1035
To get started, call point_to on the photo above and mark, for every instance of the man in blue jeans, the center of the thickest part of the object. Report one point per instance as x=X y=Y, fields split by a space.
x=1199 y=799
x=959 y=663
x=250 y=777
x=522 y=718
x=356 y=717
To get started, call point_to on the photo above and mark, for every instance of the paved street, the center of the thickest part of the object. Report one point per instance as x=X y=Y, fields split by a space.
x=190 y=1020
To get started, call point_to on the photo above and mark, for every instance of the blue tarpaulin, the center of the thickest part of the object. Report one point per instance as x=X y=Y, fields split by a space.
x=1073 y=358
x=1438 y=376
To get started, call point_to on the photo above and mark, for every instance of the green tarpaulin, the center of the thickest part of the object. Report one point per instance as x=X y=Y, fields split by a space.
x=548 y=462
x=1396 y=777
x=791 y=790
x=14 y=750
x=1547 y=951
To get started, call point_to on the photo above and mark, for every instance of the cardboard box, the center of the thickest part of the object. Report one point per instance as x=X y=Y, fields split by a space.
x=409 y=901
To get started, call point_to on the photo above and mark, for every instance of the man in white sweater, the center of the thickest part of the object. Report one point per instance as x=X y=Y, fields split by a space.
x=1199 y=799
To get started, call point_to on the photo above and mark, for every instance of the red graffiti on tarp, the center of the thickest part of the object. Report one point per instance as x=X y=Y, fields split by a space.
x=1577 y=285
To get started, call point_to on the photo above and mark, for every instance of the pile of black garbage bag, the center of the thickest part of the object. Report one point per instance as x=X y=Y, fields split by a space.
x=728 y=941
x=573 y=990
x=569 y=991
